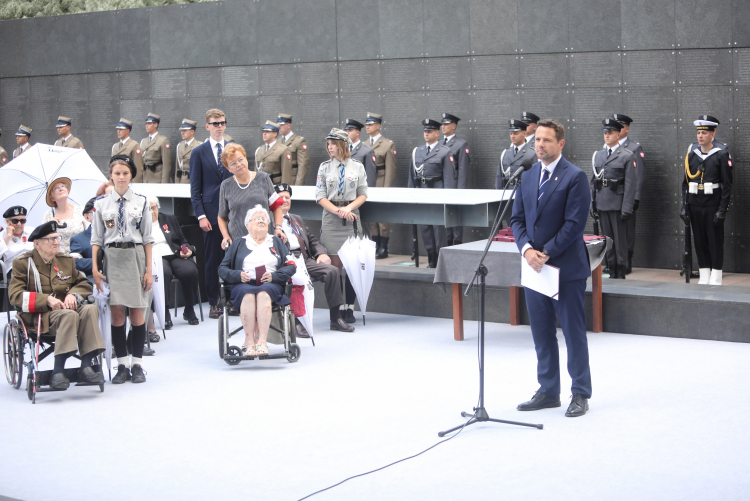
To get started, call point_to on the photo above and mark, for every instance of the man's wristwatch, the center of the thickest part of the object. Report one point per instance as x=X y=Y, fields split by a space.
x=545 y=252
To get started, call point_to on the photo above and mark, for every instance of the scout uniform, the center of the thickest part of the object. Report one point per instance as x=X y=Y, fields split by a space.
x=529 y=118
x=15 y=245
x=183 y=152
x=274 y=159
x=640 y=171
x=71 y=141
x=4 y=157
x=130 y=148
x=460 y=151
x=23 y=131
x=385 y=165
x=432 y=166
x=706 y=189
x=58 y=279
x=156 y=156
x=613 y=185
x=298 y=147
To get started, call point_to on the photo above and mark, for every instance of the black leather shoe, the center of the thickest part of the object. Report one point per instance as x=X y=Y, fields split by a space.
x=348 y=316
x=578 y=406
x=139 y=376
x=167 y=326
x=148 y=352
x=432 y=259
x=214 y=312
x=540 y=401
x=382 y=251
x=123 y=374
x=192 y=320
x=232 y=312
x=340 y=325
x=58 y=381
x=630 y=264
x=301 y=331
x=89 y=375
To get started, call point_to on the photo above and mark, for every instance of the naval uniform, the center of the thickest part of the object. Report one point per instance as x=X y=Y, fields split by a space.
x=433 y=169
x=707 y=187
x=613 y=186
x=276 y=161
x=156 y=159
x=300 y=156
x=130 y=148
x=3 y=156
x=182 y=160
x=70 y=142
x=460 y=151
x=385 y=165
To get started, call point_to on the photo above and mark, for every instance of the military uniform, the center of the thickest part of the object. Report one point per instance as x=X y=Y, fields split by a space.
x=156 y=156
x=432 y=167
x=298 y=147
x=71 y=141
x=129 y=147
x=613 y=185
x=23 y=131
x=274 y=159
x=530 y=118
x=706 y=189
x=385 y=165
x=4 y=158
x=462 y=161
x=182 y=153
x=513 y=156
x=366 y=156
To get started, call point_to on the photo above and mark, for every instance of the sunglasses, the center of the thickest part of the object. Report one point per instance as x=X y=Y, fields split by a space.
x=217 y=124
x=18 y=221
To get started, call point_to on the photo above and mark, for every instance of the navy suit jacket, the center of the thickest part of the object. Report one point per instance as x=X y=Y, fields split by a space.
x=206 y=176
x=81 y=243
x=557 y=223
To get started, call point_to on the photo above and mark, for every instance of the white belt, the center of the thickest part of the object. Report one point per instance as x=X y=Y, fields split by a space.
x=707 y=188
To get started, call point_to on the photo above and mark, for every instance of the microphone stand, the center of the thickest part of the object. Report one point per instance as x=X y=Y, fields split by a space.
x=480 y=413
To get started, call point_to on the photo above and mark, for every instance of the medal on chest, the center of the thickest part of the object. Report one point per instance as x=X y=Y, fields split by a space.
x=60 y=274
x=166 y=228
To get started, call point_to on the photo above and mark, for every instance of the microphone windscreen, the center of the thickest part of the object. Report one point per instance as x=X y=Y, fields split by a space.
x=526 y=163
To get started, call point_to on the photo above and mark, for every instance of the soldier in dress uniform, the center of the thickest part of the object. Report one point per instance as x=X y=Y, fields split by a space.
x=365 y=155
x=613 y=185
x=297 y=145
x=432 y=166
x=273 y=157
x=22 y=140
x=460 y=151
x=640 y=171
x=184 y=149
x=530 y=120
x=3 y=154
x=706 y=190
x=128 y=146
x=156 y=155
x=67 y=139
x=512 y=157
x=385 y=166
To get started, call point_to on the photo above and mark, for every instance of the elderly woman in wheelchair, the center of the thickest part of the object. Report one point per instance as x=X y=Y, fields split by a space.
x=257 y=267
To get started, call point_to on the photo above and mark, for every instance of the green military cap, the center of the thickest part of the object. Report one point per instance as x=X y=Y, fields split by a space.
x=63 y=121
x=24 y=131
x=188 y=124
x=124 y=124
x=284 y=119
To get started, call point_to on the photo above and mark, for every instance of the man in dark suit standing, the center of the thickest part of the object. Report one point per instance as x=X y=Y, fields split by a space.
x=206 y=175
x=549 y=216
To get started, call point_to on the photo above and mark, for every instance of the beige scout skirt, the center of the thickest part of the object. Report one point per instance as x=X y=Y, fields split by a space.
x=124 y=269
x=333 y=233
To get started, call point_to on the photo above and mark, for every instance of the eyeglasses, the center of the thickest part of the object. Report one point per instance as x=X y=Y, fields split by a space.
x=60 y=187
x=218 y=124
x=54 y=240
x=237 y=162
x=259 y=220
x=154 y=208
x=18 y=221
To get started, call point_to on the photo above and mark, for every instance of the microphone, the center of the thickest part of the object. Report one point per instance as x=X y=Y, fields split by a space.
x=525 y=165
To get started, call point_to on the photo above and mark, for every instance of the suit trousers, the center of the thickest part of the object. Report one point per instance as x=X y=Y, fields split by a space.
x=631 y=232
x=214 y=254
x=76 y=330
x=708 y=239
x=615 y=228
x=186 y=272
x=330 y=275
x=380 y=229
x=570 y=310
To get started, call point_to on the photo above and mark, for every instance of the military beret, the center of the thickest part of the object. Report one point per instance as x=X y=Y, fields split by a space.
x=188 y=124
x=284 y=119
x=516 y=125
x=270 y=126
x=352 y=124
x=63 y=121
x=529 y=118
x=128 y=161
x=623 y=119
x=45 y=229
x=283 y=187
x=124 y=124
x=16 y=210
x=24 y=131
x=450 y=119
x=373 y=118
x=430 y=124
x=706 y=122
x=89 y=206
x=153 y=117
x=611 y=124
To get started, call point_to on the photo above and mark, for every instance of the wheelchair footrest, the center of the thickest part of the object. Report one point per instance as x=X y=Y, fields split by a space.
x=230 y=358
x=43 y=377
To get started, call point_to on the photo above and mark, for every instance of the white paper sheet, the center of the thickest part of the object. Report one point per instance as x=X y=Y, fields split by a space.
x=546 y=282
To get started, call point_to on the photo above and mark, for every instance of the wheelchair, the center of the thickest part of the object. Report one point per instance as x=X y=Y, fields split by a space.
x=281 y=331
x=17 y=337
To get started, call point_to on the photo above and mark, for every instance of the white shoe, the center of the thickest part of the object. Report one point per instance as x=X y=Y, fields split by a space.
x=705 y=275
x=715 y=278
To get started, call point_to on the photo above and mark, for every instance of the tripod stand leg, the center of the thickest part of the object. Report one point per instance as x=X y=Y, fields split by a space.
x=471 y=421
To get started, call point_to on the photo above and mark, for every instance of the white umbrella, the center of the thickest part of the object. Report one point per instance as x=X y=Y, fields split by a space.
x=358 y=257
x=24 y=180
x=105 y=322
x=302 y=277
x=157 y=270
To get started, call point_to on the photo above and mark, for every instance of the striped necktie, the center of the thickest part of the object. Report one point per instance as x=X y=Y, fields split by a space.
x=543 y=184
x=121 y=218
x=341 y=179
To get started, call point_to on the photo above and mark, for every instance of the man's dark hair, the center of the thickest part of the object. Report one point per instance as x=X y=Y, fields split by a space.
x=554 y=125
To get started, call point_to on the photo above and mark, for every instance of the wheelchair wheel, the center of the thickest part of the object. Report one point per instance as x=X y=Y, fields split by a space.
x=12 y=357
x=233 y=352
x=294 y=353
x=222 y=347
x=30 y=388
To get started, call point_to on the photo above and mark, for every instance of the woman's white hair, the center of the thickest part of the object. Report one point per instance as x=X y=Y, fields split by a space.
x=154 y=200
x=255 y=210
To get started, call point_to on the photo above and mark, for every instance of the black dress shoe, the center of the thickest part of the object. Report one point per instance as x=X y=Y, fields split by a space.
x=123 y=374
x=301 y=331
x=191 y=320
x=540 y=401
x=340 y=325
x=167 y=327
x=578 y=406
x=348 y=316
x=232 y=312
x=89 y=375
x=58 y=381
x=214 y=312
x=148 y=352
x=139 y=376
x=382 y=251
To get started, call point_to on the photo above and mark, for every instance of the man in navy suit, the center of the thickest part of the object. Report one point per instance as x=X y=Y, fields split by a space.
x=206 y=175
x=548 y=220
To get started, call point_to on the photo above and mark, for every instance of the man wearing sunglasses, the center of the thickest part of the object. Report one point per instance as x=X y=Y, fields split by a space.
x=14 y=239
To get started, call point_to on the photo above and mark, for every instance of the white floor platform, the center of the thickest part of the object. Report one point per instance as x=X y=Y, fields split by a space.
x=668 y=421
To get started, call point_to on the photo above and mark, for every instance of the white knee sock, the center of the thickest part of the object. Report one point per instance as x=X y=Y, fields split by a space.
x=137 y=361
x=124 y=361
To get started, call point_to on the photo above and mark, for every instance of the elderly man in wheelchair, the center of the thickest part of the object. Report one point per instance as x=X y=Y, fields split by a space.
x=51 y=295
x=257 y=268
